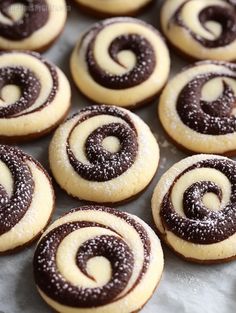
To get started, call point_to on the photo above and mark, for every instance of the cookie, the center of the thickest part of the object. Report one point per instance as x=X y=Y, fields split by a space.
x=34 y=96
x=193 y=207
x=121 y=61
x=103 y=154
x=26 y=199
x=197 y=108
x=98 y=259
x=31 y=25
x=113 y=7
x=201 y=29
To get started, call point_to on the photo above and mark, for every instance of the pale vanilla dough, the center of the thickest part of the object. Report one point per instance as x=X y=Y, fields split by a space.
x=25 y=123
x=125 y=186
x=181 y=37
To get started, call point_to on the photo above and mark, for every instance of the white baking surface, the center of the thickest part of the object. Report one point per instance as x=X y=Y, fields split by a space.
x=184 y=288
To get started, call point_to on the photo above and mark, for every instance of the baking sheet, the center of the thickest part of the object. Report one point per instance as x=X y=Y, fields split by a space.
x=184 y=287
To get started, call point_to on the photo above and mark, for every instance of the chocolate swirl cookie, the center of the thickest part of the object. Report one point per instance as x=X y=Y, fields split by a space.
x=98 y=259
x=26 y=198
x=120 y=61
x=197 y=108
x=32 y=25
x=194 y=208
x=201 y=29
x=113 y=7
x=103 y=154
x=34 y=96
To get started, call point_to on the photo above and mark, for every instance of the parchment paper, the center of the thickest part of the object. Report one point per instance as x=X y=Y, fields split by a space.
x=185 y=288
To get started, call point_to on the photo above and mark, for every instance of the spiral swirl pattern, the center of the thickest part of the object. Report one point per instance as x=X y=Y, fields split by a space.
x=197 y=108
x=105 y=165
x=100 y=150
x=93 y=238
x=31 y=89
x=196 y=205
x=27 y=24
x=12 y=210
x=123 y=61
x=20 y=188
x=201 y=29
x=113 y=7
x=31 y=21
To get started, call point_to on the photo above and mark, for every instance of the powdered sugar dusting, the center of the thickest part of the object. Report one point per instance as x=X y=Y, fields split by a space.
x=113 y=247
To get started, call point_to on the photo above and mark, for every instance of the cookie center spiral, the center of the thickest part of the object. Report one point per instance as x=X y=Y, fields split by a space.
x=28 y=87
x=99 y=269
x=200 y=205
x=20 y=19
x=10 y=94
x=20 y=84
x=212 y=89
x=207 y=103
x=131 y=59
x=211 y=201
x=13 y=13
x=105 y=150
x=214 y=28
x=211 y=24
x=127 y=59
